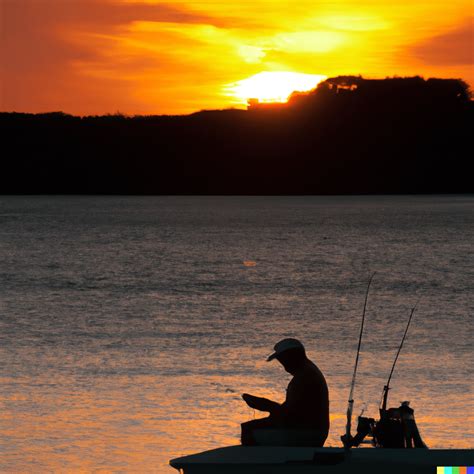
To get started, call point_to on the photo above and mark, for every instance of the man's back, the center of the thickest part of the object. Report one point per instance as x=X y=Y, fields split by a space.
x=307 y=400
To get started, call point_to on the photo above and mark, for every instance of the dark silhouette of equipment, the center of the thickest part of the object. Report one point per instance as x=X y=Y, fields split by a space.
x=350 y=403
x=396 y=427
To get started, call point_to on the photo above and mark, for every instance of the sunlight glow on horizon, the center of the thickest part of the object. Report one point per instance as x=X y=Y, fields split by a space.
x=148 y=57
x=273 y=86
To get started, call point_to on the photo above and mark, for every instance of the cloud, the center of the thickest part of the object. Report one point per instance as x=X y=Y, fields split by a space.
x=44 y=42
x=105 y=13
x=308 y=41
x=456 y=47
x=145 y=56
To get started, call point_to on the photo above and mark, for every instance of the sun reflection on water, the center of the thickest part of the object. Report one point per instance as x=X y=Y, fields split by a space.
x=138 y=351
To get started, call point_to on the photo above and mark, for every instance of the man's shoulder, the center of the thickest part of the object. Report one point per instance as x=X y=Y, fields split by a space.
x=311 y=367
x=311 y=374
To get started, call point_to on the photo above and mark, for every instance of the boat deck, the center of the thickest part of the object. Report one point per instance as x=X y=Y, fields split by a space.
x=302 y=460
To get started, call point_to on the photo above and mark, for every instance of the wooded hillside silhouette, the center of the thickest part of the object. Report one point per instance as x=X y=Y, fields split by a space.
x=349 y=135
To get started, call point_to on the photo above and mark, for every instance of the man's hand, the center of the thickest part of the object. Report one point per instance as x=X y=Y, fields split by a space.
x=259 y=403
x=251 y=401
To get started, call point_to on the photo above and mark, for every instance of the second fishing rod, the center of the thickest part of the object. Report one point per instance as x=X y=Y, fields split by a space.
x=397 y=426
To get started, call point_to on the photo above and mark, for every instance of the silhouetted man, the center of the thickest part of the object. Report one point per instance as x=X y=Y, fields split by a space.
x=303 y=419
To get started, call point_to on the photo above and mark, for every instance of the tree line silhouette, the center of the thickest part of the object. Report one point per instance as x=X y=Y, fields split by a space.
x=348 y=136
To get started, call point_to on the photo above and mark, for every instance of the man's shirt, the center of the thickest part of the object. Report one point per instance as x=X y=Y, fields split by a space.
x=307 y=400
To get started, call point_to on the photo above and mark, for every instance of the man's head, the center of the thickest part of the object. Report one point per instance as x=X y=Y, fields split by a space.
x=290 y=353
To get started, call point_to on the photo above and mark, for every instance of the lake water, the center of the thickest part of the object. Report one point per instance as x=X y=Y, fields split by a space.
x=129 y=326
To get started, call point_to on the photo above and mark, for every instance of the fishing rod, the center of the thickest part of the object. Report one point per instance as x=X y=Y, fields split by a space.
x=350 y=404
x=396 y=427
x=387 y=385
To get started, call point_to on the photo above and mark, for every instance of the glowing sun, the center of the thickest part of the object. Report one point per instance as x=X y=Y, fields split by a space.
x=273 y=86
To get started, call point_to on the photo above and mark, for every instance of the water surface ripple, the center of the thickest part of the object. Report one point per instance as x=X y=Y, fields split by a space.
x=129 y=326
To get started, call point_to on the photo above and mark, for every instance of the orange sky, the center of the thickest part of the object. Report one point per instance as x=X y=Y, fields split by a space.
x=149 y=57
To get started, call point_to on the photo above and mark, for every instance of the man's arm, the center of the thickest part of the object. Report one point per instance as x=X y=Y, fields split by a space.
x=262 y=404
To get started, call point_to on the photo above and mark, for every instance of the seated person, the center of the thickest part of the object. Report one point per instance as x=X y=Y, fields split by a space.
x=303 y=419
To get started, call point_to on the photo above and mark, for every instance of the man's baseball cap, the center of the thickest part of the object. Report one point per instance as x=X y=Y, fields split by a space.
x=284 y=345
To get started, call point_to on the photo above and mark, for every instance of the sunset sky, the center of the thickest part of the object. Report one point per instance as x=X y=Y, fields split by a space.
x=149 y=57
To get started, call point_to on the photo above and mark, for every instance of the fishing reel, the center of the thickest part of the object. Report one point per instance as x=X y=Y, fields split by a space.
x=396 y=428
x=365 y=427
